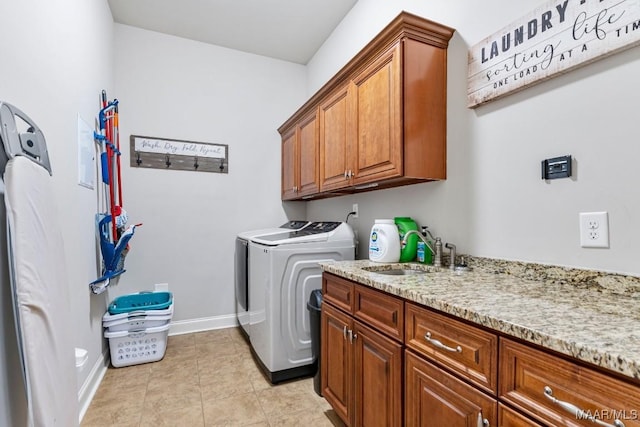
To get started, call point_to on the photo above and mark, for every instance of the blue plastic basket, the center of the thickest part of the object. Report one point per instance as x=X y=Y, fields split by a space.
x=141 y=301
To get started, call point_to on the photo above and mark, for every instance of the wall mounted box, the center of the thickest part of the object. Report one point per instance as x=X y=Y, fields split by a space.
x=556 y=167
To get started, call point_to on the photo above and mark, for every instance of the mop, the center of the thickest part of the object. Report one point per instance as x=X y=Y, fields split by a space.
x=112 y=236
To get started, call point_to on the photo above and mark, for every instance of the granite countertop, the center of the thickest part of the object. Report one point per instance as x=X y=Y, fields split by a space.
x=589 y=315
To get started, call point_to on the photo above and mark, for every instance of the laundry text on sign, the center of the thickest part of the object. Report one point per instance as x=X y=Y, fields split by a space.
x=553 y=39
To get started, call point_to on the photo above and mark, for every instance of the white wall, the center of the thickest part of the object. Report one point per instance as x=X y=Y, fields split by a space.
x=171 y=87
x=494 y=202
x=56 y=58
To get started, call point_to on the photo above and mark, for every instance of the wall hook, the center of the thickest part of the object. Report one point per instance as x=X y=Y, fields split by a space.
x=138 y=161
x=196 y=165
x=222 y=164
x=168 y=162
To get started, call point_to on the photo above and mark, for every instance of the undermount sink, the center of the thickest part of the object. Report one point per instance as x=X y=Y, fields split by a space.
x=399 y=269
x=400 y=272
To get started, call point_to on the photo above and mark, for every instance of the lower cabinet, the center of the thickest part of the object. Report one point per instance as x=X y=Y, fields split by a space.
x=378 y=378
x=361 y=370
x=337 y=361
x=443 y=372
x=435 y=398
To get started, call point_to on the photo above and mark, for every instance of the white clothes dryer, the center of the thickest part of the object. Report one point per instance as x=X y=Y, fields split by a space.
x=241 y=269
x=283 y=272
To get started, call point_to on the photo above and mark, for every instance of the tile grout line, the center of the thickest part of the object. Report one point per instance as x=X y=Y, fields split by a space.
x=204 y=421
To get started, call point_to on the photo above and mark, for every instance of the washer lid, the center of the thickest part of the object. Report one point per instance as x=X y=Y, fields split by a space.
x=290 y=225
x=314 y=232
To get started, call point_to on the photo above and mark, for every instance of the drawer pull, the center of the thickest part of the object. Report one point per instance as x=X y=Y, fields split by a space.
x=344 y=332
x=578 y=413
x=439 y=345
x=482 y=422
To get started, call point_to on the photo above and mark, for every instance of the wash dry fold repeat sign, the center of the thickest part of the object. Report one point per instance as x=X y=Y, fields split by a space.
x=555 y=38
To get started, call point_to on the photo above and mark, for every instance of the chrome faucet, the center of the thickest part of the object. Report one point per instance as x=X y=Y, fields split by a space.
x=437 y=252
x=452 y=248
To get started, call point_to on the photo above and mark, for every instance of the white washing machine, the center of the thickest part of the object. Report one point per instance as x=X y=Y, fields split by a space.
x=283 y=272
x=242 y=265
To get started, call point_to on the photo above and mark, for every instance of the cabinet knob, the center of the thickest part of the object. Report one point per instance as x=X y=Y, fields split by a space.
x=482 y=422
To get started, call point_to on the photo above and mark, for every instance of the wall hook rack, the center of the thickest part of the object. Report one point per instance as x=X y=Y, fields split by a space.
x=176 y=154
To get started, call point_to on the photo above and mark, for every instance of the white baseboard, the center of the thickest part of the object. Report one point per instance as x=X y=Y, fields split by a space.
x=91 y=384
x=203 y=324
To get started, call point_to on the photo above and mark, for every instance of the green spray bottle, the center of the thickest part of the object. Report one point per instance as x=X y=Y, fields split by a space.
x=424 y=255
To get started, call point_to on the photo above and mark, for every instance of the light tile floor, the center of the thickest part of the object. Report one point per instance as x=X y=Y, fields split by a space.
x=205 y=379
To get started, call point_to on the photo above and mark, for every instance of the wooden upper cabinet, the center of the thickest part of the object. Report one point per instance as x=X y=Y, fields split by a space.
x=334 y=149
x=308 y=143
x=289 y=164
x=300 y=158
x=376 y=120
x=382 y=118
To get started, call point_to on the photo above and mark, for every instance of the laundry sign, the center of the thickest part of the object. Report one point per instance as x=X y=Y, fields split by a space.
x=187 y=148
x=175 y=154
x=555 y=38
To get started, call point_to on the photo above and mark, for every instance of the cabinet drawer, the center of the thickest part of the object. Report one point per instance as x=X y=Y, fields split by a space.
x=382 y=311
x=338 y=291
x=436 y=398
x=546 y=387
x=510 y=418
x=471 y=352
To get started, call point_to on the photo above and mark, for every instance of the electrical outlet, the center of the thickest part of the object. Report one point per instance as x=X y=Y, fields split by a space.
x=355 y=209
x=161 y=287
x=594 y=230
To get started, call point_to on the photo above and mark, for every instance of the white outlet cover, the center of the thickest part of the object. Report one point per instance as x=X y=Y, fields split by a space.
x=594 y=229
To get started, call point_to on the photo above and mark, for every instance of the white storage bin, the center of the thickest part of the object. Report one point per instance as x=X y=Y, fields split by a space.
x=136 y=347
x=136 y=320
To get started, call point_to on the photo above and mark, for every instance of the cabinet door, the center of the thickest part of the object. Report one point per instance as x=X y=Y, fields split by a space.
x=376 y=95
x=378 y=378
x=308 y=157
x=434 y=398
x=334 y=149
x=336 y=361
x=289 y=164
